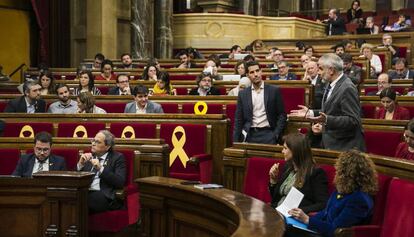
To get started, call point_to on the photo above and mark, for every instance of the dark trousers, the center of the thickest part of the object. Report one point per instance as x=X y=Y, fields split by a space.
x=261 y=136
x=295 y=232
x=98 y=202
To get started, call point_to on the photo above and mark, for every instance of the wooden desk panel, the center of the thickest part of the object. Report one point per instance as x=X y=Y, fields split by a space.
x=172 y=209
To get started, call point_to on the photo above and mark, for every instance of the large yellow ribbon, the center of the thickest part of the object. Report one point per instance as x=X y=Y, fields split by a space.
x=26 y=128
x=80 y=128
x=197 y=110
x=126 y=130
x=178 y=147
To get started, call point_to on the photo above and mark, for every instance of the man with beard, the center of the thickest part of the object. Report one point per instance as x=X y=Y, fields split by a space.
x=127 y=61
x=340 y=113
x=205 y=87
x=260 y=115
x=30 y=102
x=64 y=105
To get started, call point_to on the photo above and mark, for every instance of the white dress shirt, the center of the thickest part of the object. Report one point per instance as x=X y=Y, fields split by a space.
x=37 y=164
x=259 y=111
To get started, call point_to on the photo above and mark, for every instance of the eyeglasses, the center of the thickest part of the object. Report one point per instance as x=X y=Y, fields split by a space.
x=382 y=83
x=40 y=150
x=121 y=82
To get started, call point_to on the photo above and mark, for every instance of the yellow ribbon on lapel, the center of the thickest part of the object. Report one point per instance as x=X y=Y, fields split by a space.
x=80 y=128
x=128 y=129
x=26 y=128
x=178 y=150
x=197 y=110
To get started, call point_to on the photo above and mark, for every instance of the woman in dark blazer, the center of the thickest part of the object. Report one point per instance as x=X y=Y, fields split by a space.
x=300 y=172
x=351 y=203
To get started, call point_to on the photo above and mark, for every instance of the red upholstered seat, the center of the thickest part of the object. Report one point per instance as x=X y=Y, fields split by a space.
x=231 y=112
x=368 y=110
x=8 y=160
x=104 y=89
x=115 y=221
x=256 y=179
x=330 y=174
x=380 y=200
x=71 y=156
x=398 y=89
x=399 y=215
x=16 y=129
x=169 y=108
x=141 y=130
x=188 y=108
x=196 y=136
x=292 y=97
x=182 y=77
x=181 y=91
x=382 y=58
x=112 y=107
x=67 y=129
x=374 y=140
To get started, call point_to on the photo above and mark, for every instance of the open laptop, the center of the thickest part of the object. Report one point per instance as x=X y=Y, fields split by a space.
x=231 y=77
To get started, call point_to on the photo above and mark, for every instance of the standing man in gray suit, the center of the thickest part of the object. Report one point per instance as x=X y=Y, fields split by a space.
x=340 y=112
x=142 y=105
x=260 y=114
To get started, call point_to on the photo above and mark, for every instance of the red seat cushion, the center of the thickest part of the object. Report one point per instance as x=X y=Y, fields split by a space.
x=169 y=108
x=330 y=175
x=399 y=215
x=71 y=156
x=8 y=160
x=141 y=130
x=13 y=129
x=380 y=199
x=188 y=108
x=183 y=77
x=368 y=110
x=66 y=129
x=292 y=97
x=104 y=89
x=181 y=91
x=195 y=145
x=256 y=180
x=111 y=107
x=374 y=140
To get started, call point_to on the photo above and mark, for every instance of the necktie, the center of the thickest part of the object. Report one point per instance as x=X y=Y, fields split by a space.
x=326 y=93
x=93 y=167
x=41 y=162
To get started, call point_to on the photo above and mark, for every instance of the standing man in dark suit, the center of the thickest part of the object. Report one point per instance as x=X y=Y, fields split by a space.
x=260 y=114
x=340 y=112
x=335 y=25
x=30 y=102
x=110 y=172
x=122 y=86
x=41 y=159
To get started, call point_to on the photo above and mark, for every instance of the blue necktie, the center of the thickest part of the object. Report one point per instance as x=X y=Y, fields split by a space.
x=326 y=93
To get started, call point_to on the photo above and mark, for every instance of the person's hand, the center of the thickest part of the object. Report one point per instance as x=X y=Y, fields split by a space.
x=85 y=157
x=126 y=91
x=273 y=172
x=95 y=163
x=174 y=91
x=319 y=119
x=182 y=65
x=298 y=214
x=302 y=112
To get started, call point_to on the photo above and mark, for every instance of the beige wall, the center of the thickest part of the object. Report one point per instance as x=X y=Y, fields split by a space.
x=225 y=30
x=15 y=36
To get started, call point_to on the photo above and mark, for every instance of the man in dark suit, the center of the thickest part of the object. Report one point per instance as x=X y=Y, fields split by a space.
x=127 y=61
x=204 y=82
x=110 y=172
x=340 y=112
x=30 y=102
x=185 y=60
x=122 y=86
x=318 y=84
x=335 y=23
x=401 y=71
x=41 y=159
x=260 y=114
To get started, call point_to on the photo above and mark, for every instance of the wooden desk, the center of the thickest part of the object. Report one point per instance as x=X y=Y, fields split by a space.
x=49 y=204
x=172 y=209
